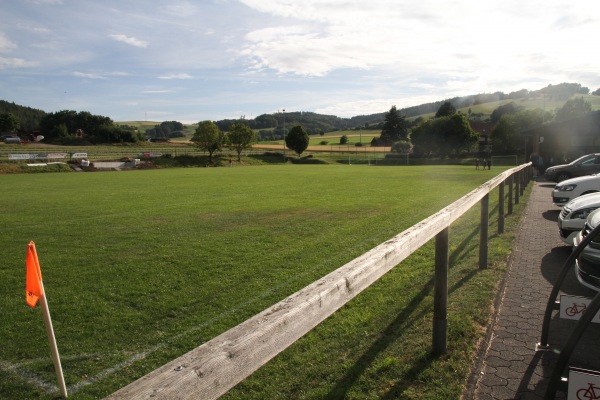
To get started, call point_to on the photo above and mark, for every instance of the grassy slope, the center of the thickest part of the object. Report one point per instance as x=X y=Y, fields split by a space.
x=150 y=264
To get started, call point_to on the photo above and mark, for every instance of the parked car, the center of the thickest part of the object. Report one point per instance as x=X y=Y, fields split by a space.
x=10 y=138
x=566 y=191
x=586 y=165
x=587 y=265
x=573 y=215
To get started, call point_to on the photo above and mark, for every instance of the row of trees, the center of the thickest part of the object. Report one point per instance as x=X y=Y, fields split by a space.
x=512 y=120
x=312 y=123
x=8 y=122
x=270 y=126
x=71 y=127
x=166 y=130
x=448 y=133
x=28 y=119
x=208 y=137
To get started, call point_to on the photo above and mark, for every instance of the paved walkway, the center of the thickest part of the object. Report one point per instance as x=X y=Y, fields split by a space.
x=511 y=367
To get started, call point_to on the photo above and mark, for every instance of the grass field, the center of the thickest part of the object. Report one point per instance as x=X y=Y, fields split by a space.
x=142 y=266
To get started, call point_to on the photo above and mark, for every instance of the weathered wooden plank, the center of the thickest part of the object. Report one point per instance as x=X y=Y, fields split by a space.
x=213 y=368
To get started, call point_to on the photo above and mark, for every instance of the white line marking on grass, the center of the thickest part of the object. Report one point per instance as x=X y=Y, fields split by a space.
x=72 y=389
x=140 y=356
x=28 y=377
x=19 y=369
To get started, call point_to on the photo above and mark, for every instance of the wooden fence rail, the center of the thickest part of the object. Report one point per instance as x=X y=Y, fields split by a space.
x=216 y=366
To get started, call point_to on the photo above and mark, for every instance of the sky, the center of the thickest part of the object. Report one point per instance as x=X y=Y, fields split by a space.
x=190 y=61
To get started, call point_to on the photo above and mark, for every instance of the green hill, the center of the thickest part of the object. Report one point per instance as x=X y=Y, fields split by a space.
x=478 y=107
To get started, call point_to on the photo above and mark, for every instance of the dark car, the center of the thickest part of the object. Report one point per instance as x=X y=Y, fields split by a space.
x=586 y=165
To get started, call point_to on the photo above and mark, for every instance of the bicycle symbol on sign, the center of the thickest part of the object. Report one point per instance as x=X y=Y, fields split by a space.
x=590 y=393
x=575 y=309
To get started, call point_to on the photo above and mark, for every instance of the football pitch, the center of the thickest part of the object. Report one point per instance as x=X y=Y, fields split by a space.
x=142 y=266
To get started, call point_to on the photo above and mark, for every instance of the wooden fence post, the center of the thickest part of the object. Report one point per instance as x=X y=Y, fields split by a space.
x=440 y=297
x=483 y=231
x=510 y=194
x=517 y=186
x=501 y=200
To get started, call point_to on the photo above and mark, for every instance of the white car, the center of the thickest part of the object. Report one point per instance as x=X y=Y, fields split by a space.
x=587 y=265
x=566 y=191
x=573 y=215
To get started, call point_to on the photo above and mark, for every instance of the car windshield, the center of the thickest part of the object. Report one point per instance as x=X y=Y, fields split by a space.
x=581 y=160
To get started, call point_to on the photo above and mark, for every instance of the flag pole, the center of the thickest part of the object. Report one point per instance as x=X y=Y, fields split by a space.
x=52 y=341
x=34 y=291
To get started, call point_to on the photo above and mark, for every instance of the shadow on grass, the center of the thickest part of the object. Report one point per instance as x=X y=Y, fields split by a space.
x=388 y=336
x=268 y=158
x=391 y=332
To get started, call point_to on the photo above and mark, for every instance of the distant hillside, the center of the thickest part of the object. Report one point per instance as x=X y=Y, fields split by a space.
x=478 y=107
x=29 y=118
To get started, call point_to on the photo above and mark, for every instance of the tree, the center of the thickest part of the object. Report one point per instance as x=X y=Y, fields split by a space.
x=509 y=108
x=208 y=137
x=458 y=134
x=505 y=137
x=8 y=122
x=84 y=126
x=425 y=140
x=402 y=146
x=573 y=108
x=297 y=139
x=29 y=118
x=344 y=139
x=445 y=110
x=394 y=127
x=166 y=130
x=444 y=136
x=240 y=137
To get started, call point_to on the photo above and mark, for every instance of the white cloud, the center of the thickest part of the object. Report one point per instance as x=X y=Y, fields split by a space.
x=46 y=2
x=348 y=109
x=316 y=37
x=176 y=76
x=6 y=45
x=129 y=40
x=159 y=91
x=341 y=57
x=16 y=63
x=88 y=75
x=180 y=9
x=99 y=75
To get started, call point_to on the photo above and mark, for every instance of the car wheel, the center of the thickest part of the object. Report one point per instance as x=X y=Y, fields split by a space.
x=563 y=176
x=589 y=191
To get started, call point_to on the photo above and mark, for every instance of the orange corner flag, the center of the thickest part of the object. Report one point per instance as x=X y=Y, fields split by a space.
x=33 y=278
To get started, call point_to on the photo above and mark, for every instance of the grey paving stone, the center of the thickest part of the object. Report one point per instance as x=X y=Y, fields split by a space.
x=512 y=369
